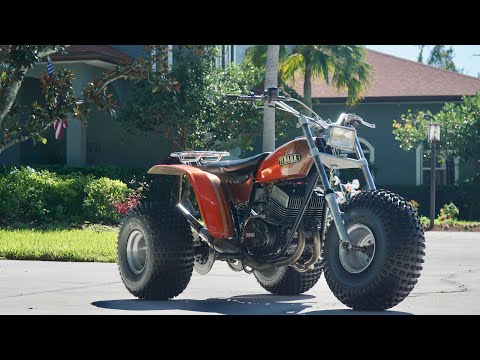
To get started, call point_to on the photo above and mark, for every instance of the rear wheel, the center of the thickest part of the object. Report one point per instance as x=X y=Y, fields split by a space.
x=155 y=252
x=288 y=281
x=382 y=276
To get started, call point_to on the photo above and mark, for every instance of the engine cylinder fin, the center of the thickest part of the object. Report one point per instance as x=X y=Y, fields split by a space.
x=276 y=211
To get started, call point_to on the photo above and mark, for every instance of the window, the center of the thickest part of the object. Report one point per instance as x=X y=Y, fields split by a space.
x=227 y=55
x=446 y=172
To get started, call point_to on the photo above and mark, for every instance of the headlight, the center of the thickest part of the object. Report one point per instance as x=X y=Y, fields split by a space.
x=341 y=137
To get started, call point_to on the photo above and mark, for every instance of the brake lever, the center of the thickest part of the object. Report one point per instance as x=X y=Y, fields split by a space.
x=353 y=118
x=363 y=122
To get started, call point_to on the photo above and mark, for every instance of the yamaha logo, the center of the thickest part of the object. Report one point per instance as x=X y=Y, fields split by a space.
x=289 y=159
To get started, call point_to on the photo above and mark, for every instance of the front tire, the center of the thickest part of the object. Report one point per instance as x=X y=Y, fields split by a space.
x=288 y=281
x=387 y=273
x=155 y=252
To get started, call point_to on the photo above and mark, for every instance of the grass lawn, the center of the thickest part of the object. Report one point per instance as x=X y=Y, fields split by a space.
x=59 y=245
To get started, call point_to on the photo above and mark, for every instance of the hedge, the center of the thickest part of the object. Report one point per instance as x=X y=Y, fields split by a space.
x=75 y=195
x=465 y=196
x=70 y=195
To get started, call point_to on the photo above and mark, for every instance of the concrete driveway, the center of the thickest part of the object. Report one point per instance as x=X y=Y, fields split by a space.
x=449 y=285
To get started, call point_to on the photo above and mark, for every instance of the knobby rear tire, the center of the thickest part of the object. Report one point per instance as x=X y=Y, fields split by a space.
x=287 y=280
x=169 y=243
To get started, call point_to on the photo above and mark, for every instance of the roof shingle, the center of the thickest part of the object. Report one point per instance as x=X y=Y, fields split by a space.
x=90 y=52
x=396 y=77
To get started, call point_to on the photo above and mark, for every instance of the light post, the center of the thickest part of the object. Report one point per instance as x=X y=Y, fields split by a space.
x=433 y=137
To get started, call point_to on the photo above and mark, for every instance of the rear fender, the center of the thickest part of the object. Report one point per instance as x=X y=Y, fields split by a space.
x=212 y=202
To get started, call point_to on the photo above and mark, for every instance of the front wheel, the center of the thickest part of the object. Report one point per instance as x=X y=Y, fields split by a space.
x=389 y=230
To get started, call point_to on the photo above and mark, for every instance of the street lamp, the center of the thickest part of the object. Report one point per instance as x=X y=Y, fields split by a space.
x=433 y=137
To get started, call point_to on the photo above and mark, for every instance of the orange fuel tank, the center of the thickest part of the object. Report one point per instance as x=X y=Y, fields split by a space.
x=290 y=161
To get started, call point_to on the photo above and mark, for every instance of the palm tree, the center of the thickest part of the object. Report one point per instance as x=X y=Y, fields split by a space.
x=257 y=54
x=343 y=66
x=271 y=80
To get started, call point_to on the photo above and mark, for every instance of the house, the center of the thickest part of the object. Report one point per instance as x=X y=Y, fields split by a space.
x=397 y=85
x=103 y=141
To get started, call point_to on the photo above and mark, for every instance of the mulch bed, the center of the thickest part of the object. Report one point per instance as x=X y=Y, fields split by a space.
x=456 y=228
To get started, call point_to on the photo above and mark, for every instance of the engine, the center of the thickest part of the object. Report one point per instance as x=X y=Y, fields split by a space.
x=284 y=203
x=261 y=237
x=276 y=207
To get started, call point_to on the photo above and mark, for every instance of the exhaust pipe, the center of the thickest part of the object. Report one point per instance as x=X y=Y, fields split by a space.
x=229 y=247
x=317 y=248
x=191 y=219
x=222 y=246
x=256 y=265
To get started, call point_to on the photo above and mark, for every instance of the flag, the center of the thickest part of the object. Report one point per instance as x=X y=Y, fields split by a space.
x=59 y=124
x=50 y=69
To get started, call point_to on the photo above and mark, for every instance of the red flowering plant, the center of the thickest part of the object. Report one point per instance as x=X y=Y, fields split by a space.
x=132 y=199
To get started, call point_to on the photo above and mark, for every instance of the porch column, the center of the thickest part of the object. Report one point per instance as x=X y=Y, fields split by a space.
x=170 y=56
x=76 y=143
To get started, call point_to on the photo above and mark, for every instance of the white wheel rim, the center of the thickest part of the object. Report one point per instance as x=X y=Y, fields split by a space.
x=356 y=261
x=136 y=252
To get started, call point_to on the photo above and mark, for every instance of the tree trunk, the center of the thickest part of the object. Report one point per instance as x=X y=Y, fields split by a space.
x=271 y=80
x=307 y=84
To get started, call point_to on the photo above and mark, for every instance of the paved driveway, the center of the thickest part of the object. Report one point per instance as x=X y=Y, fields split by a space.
x=449 y=285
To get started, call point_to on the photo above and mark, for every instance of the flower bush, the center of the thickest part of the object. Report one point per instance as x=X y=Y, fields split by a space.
x=448 y=212
x=122 y=207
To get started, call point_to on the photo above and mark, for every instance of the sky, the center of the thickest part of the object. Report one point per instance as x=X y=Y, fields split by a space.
x=463 y=55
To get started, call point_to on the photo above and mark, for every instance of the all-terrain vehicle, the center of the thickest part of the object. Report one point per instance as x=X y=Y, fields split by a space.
x=276 y=215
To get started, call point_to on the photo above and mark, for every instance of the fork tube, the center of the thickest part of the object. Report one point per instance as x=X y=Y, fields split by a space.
x=365 y=169
x=329 y=193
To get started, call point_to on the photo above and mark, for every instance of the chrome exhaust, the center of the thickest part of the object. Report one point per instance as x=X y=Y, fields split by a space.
x=317 y=248
x=228 y=247
x=220 y=245
x=256 y=265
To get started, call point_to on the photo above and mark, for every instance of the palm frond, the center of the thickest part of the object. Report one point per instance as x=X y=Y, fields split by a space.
x=257 y=54
x=290 y=65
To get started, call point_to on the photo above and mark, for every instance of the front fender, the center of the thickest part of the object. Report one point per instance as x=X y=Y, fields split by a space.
x=211 y=199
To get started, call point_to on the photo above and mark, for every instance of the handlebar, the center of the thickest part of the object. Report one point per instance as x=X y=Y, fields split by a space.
x=253 y=97
x=245 y=97
x=272 y=95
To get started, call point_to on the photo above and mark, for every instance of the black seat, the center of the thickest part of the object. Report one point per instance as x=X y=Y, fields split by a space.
x=235 y=167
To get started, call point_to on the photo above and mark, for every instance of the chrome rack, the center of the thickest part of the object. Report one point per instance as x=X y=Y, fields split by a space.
x=199 y=157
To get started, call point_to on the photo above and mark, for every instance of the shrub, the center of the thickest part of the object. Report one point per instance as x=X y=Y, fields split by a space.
x=466 y=197
x=448 y=212
x=425 y=221
x=160 y=186
x=28 y=195
x=44 y=198
x=415 y=205
x=99 y=194
x=21 y=194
